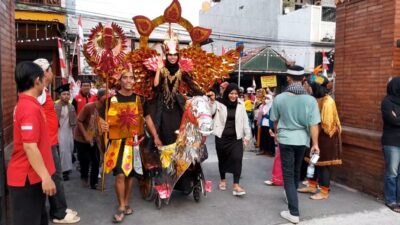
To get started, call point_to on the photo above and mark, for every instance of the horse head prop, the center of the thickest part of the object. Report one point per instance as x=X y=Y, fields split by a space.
x=196 y=125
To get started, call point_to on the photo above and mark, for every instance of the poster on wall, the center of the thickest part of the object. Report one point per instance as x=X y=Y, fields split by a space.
x=268 y=81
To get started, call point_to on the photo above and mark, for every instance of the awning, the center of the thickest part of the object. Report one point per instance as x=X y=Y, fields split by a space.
x=40 y=16
x=263 y=60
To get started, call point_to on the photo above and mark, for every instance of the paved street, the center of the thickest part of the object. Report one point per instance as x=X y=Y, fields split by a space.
x=261 y=205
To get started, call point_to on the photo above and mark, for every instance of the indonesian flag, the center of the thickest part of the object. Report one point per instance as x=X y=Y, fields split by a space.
x=223 y=51
x=80 y=31
x=325 y=61
x=63 y=66
x=74 y=87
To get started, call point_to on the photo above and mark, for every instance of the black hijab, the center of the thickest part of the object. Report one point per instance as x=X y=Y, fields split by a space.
x=393 y=90
x=225 y=97
x=172 y=68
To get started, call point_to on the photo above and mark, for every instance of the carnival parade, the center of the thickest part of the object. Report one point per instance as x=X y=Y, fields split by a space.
x=243 y=117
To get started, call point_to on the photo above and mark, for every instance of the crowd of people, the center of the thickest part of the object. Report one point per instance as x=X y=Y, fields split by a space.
x=292 y=126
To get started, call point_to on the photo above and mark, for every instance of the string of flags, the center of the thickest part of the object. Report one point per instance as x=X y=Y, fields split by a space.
x=66 y=41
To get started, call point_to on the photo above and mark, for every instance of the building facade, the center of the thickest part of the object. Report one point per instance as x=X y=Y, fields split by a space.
x=39 y=24
x=8 y=92
x=366 y=57
x=298 y=30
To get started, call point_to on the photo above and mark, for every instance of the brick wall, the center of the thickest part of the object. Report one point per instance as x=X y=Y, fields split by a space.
x=7 y=59
x=366 y=56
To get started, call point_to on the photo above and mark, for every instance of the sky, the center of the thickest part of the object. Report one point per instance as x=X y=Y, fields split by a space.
x=130 y=8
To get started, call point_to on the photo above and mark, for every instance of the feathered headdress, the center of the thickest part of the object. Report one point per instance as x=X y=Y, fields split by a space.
x=171 y=44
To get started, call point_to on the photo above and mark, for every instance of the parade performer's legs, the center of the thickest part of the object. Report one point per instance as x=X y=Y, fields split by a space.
x=123 y=189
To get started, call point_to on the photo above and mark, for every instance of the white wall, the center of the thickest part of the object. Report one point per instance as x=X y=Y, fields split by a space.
x=258 y=18
x=305 y=25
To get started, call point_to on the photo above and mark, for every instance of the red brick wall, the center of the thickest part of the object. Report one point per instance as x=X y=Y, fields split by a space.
x=366 y=56
x=7 y=59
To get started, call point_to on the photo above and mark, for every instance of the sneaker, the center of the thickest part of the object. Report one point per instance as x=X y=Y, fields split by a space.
x=71 y=211
x=293 y=219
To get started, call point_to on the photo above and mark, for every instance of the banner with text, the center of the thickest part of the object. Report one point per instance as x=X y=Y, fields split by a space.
x=268 y=81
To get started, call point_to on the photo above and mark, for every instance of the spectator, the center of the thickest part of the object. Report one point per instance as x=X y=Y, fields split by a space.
x=390 y=108
x=67 y=121
x=267 y=143
x=329 y=141
x=296 y=116
x=84 y=97
x=231 y=129
x=31 y=164
x=59 y=213
x=85 y=134
x=248 y=105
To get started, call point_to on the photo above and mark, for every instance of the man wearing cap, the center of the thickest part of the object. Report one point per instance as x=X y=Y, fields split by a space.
x=59 y=213
x=296 y=117
x=84 y=97
x=67 y=121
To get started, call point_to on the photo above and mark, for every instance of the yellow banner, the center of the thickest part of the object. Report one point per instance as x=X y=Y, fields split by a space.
x=268 y=81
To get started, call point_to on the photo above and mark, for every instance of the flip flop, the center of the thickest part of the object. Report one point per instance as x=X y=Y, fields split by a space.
x=119 y=216
x=128 y=210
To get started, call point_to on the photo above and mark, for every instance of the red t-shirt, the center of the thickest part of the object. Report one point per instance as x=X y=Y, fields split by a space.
x=51 y=118
x=29 y=127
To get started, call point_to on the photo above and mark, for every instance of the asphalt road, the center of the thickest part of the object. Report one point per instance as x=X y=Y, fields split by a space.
x=261 y=205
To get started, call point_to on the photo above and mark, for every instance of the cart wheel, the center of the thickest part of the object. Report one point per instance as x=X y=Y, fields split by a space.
x=158 y=202
x=196 y=194
x=146 y=186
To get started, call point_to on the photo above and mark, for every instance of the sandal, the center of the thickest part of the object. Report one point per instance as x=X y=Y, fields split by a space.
x=394 y=207
x=222 y=186
x=128 y=210
x=119 y=216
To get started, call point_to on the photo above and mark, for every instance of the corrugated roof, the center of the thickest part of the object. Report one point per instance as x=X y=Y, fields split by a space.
x=263 y=60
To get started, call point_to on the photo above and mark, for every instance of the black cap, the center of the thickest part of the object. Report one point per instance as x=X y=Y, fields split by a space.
x=62 y=88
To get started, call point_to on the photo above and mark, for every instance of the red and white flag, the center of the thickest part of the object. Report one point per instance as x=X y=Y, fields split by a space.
x=80 y=31
x=222 y=50
x=325 y=61
x=63 y=66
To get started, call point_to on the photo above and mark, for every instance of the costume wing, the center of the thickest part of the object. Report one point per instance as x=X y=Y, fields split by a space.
x=144 y=63
x=207 y=68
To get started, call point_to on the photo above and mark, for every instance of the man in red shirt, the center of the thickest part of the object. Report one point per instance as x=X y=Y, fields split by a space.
x=59 y=213
x=84 y=97
x=31 y=164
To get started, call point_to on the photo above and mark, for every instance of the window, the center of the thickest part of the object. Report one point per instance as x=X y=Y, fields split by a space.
x=328 y=14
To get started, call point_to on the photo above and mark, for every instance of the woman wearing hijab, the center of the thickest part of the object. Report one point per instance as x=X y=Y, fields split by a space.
x=231 y=130
x=390 y=108
x=328 y=139
x=167 y=108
